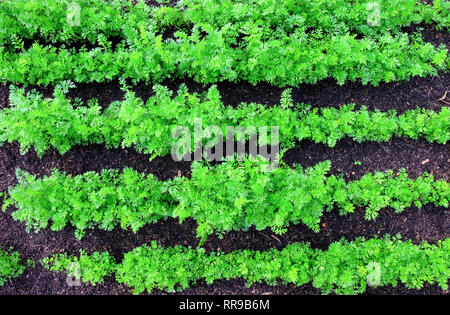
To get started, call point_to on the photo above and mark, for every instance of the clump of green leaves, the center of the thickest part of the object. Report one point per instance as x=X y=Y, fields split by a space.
x=10 y=266
x=49 y=19
x=40 y=123
x=229 y=196
x=285 y=43
x=105 y=200
x=339 y=16
x=284 y=61
x=344 y=268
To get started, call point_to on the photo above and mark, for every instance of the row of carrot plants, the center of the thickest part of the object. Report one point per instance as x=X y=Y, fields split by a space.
x=151 y=127
x=235 y=195
x=48 y=20
x=344 y=268
x=258 y=48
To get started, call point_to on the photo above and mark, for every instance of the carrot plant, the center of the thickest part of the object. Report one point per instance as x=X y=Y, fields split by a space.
x=235 y=195
x=344 y=268
x=10 y=266
x=47 y=20
x=39 y=123
x=287 y=61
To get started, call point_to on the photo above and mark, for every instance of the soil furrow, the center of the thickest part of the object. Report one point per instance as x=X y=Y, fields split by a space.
x=348 y=157
x=39 y=281
x=429 y=224
x=426 y=92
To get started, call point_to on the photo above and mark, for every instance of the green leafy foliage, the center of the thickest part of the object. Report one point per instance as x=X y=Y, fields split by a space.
x=30 y=19
x=106 y=200
x=10 y=266
x=41 y=123
x=286 y=43
x=48 y=19
x=292 y=60
x=283 y=18
x=229 y=196
x=344 y=268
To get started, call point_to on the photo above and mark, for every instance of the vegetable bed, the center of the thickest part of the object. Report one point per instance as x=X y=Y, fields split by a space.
x=357 y=204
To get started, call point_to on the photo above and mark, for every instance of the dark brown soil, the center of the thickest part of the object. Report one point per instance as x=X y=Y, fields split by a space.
x=429 y=35
x=81 y=159
x=114 y=42
x=416 y=156
x=418 y=92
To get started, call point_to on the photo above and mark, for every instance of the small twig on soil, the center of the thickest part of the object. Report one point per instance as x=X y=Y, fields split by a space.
x=442 y=99
x=276 y=238
x=266 y=236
